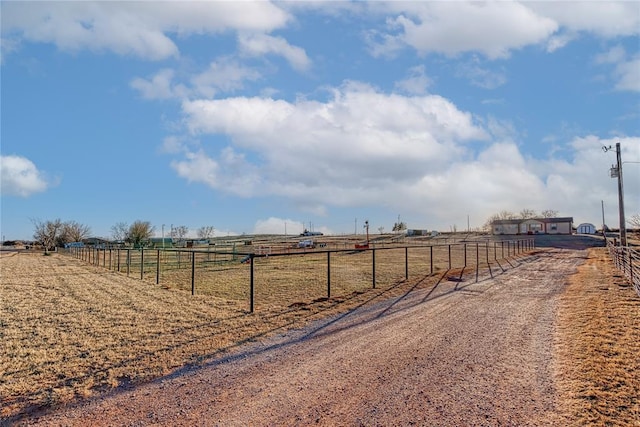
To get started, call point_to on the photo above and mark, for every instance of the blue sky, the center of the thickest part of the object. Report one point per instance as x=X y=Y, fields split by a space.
x=259 y=117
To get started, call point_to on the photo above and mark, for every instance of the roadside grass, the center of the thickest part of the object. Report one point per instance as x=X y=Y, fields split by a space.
x=598 y=341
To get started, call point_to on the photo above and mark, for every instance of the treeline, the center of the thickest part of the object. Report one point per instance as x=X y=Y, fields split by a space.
x=57 y=233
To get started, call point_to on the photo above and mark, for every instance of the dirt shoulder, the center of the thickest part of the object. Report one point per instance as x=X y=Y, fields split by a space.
x=456 y=353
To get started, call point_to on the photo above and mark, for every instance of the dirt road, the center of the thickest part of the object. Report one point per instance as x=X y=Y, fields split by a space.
x=460 y=353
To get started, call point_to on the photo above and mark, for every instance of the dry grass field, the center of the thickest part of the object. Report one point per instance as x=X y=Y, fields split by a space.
x=598 y=342
x=69 y=330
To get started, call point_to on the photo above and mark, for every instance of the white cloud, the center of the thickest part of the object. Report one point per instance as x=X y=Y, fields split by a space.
x=413 y=154
x=20 y=177
x=263 y=44
x=492 y=28
x=481 y=77
x=274 y=225
x=495 y=29
x=416 y=83
x=626 y=72
x=352 y=149
x=628 y=75
x=133 y=28
x=223 y=75
x=608 y=19
x=612 y=56
x=159 y=86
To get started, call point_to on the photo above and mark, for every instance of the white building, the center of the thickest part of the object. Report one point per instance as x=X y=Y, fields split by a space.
x=533 y=226
x=586 y=228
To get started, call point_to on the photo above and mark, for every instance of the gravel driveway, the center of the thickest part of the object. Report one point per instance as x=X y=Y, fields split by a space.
x=460 y=353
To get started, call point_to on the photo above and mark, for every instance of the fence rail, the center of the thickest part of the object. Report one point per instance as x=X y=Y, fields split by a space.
x=627 y=260
x=297 y=275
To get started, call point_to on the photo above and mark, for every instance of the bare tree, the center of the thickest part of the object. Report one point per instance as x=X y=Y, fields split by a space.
x=504 y=214
x=138 y=232
x=73 y=231
x=527 y=213
x=205 y=232
x=549 y=213
x=179 y=232
x=634 y=221
x=381 y=230
x=120 y=231
x=47 y=232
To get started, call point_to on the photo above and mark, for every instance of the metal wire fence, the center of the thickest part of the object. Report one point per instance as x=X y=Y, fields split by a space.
x=627 y=260
x=295 y=276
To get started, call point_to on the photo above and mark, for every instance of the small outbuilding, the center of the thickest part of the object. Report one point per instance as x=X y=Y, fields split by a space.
x=586 y=228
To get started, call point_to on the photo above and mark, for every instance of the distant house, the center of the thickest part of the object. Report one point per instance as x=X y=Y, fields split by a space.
x=586 y=228
x=533 y=226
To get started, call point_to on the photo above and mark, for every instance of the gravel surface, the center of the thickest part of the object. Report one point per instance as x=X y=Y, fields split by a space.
x=461 y=353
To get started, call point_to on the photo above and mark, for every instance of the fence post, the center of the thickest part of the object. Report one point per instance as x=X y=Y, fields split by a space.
x=128 y=261
x=373 y=262
x=406 y=263
x=158 y=267
x=486 y=246
x=328 y=274
x=109 y=258
x=465 y=255
x=193 y=275
x=141 y=263
x=477 y=260
x=502 y=243
x=251 y=285
x=118 y=260
x=449 y=256
x=104 y=257
x=431 y=259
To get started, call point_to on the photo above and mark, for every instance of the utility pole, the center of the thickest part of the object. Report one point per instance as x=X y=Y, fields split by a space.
x=616 y=172
x=623 y=223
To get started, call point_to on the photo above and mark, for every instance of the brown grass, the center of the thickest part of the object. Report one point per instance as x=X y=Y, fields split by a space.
x=599 y=346
x=69 y=330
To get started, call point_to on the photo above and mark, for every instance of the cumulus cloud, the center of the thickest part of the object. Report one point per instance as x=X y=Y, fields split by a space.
x=608 y=19
x=20 y=177
x=495 y=29
x=420 y=154
x=492 y=28
x=352 y=149
x=222 y=76
x=263 y=44
x=133 y=28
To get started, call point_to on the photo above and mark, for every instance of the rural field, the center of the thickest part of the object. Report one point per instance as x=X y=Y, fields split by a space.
x=72 y=332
